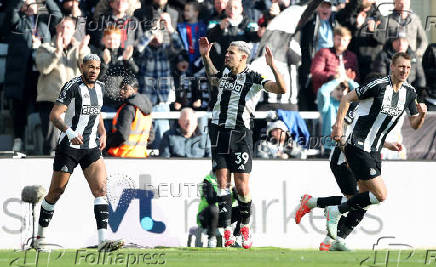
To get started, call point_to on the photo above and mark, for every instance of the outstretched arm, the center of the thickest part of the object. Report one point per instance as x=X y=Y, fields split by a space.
x=277 y=87
x=417 y=121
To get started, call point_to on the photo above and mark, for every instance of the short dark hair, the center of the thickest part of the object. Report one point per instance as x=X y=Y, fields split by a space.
x=398 y=55
x=194 y=4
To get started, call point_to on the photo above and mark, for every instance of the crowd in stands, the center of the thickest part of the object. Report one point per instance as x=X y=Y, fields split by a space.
x=150 y=63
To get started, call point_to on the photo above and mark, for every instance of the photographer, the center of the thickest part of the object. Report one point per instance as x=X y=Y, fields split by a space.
x=277 y=144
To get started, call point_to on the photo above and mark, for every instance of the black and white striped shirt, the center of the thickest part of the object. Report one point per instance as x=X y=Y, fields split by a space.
x=83 y=111
x=237 y=97
x=379 y=110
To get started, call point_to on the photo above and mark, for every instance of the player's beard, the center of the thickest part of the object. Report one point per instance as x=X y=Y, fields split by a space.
x=87 y=80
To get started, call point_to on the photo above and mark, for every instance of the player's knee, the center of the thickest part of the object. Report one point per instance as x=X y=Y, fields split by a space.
x=382 y=196
x=99 y=191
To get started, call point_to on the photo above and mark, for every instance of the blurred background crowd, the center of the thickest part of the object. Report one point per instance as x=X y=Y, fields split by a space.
x=151 y=65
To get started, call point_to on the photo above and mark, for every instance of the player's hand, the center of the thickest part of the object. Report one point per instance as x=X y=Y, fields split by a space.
x=395 y=146
x=128 y=52
x=269 y=57
x=422 y=108
x=336 y=132
x=77 y=140
x=106 y=56
x=204 y=46
x=102 y=141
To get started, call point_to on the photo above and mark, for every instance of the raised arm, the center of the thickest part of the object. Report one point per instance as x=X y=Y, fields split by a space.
x=277 y=87
x=417 y=121
x=205 y=47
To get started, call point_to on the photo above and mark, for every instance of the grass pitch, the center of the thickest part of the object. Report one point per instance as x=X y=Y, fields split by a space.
x=202 y=257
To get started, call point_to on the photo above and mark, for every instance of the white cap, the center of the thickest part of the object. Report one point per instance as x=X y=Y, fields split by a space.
x=276 y=125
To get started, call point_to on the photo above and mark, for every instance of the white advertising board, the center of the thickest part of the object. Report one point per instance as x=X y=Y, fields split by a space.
x=154 y=203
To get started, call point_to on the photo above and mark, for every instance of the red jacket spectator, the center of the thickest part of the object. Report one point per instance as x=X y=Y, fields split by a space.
x=336 y=62
x=325 y=65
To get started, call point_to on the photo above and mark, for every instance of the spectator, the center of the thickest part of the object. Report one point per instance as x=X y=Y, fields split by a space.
x=185 y=139
x=155 y=70
x=382 y=64
x=187 y=88
x=403 y=19
x=27 y=30
x=336 y=62
x=190 y=32
x=218 y=14
x=116 y=64
x=317 y=33
x=58 y=62
x=117 y=16
x=88 y=7
x=72 y=8
x=103 y=7
x=287 y=57
x=149 y=14
x=329 y=98
x=235 y=27
x=429 y=65
x=132 y=125
x=277 y=144
x=362 y=19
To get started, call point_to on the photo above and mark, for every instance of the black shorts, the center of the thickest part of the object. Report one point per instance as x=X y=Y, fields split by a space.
x=231 y=149
x=343 y=174
x=67 y=158
x=365 y=165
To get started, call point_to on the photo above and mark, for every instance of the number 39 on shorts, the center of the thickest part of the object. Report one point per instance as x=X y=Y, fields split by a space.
x=241 y=157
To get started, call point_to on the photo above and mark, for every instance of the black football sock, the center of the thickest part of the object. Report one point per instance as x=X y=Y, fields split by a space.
x=323 y=202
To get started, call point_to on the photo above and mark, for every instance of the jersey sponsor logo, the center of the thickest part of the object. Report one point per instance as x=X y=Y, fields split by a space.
x=90 y=110
x=241 y=167
x=390 y=111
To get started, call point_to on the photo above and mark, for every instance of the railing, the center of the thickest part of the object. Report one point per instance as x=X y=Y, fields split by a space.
x=308 y=115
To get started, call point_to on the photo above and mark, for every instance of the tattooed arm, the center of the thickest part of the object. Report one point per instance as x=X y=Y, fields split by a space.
x=205 y=47
x=58 y=122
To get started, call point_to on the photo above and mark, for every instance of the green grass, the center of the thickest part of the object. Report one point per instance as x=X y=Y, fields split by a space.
x=190 y=257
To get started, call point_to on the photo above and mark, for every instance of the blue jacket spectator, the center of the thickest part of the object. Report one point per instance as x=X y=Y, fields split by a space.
x=186 y=139
x=329 y=98
x=190 y=32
